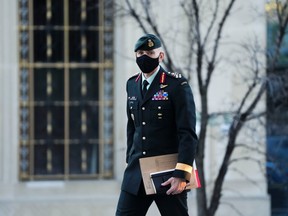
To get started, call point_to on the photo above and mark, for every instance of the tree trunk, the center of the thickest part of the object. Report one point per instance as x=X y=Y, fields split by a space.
x=201 y=192
x=216 y=195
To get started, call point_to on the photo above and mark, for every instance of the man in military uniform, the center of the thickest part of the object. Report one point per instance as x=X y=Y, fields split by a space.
x=161 y=120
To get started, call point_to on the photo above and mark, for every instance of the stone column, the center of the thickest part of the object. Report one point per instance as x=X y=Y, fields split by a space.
x=8 y=93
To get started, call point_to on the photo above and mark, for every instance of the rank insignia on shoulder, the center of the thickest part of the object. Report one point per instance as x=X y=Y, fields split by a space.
x=137 y=75
x=176 y=75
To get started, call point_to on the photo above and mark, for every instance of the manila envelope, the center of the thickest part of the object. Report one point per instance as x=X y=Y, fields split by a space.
x=163 y=162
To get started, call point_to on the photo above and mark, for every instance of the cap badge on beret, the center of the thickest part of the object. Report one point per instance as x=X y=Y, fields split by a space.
x=150 y=43
x=147 y=42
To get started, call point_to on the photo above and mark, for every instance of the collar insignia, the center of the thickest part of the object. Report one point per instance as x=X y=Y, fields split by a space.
x=163 y=78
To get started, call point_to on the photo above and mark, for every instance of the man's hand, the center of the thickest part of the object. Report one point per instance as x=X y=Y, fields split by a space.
x=178 y=185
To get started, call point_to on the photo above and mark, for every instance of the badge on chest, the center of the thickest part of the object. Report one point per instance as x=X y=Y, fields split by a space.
x=160 y=95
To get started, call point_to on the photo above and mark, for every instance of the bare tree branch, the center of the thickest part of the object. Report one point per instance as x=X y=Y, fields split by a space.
x=191 y=37
x=211 y=64
x=246 y=159
x=255 y=183
x=213 y=21
x=200 y=51
x=147 y=8
x=283 y=21
x=251 y=148
x=136 y=16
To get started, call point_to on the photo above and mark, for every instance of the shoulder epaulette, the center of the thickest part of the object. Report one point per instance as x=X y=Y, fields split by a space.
x=175 y=75
x=134 y=75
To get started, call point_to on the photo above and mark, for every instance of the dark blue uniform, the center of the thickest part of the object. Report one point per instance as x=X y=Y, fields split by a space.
x=163 y=122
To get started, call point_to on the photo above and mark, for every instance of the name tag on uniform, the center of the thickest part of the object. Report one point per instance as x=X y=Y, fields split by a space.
x=132 y=98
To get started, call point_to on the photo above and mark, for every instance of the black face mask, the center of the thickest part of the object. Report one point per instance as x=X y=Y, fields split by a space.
x=146 y=63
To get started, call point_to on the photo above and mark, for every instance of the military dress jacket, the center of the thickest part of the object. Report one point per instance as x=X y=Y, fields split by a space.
x=163 y=122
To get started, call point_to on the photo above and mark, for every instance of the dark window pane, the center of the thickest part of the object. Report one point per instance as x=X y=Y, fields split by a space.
x=40 y=11
x=277 y=117
x=277 y=103
x=51 y=162
x=91 y=13
x=40 y=159
x=41 y=49
x=84 y=159
x=92 y=46
x=277 y=172
x=42 y=130
x=87 y=79
x=49 y=90
x=91 y=128
x=74 y=12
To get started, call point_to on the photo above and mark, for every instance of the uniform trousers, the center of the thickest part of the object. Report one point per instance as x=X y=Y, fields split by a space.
x=138 y=205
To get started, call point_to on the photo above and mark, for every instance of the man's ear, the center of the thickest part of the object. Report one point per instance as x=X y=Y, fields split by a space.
x=161 y=56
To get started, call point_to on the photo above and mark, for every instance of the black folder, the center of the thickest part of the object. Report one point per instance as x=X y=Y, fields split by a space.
x=160 y=177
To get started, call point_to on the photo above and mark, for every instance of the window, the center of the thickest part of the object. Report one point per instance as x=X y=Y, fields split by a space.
x=66 y=89
x=277 y=114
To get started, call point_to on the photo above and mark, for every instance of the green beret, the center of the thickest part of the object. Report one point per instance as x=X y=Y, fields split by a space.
x=147 y=42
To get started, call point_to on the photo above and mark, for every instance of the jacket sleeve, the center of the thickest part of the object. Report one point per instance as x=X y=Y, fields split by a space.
x=130 y=128
x=184 y=106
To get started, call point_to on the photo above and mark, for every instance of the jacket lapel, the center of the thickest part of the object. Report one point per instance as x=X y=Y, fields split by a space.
x=154 y=87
